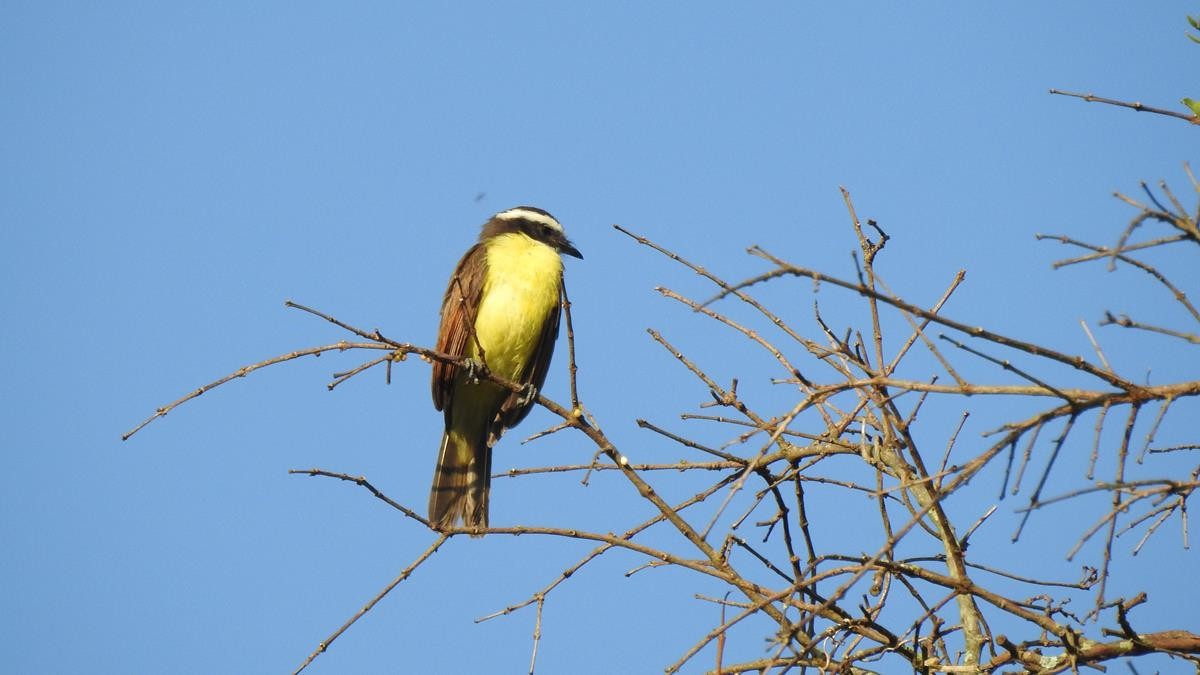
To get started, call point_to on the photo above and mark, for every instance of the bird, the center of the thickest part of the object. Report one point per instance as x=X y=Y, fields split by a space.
x=500 y=310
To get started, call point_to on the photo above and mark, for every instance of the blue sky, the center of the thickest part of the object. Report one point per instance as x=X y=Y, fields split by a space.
x=170 y=173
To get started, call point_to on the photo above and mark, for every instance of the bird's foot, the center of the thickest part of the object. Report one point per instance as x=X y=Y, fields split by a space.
x=528 y=395
x=472 y=369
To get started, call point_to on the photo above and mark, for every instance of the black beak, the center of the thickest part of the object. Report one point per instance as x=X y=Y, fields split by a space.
x=568 y=249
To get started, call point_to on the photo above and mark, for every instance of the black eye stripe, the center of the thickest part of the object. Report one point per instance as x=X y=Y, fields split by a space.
x=534 y=228
x=534 y=223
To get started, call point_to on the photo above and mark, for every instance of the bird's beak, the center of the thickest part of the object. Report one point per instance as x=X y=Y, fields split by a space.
x=567 y=248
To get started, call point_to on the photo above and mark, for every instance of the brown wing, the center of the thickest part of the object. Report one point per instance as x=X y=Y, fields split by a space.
x=512 y=411
x=458 y=319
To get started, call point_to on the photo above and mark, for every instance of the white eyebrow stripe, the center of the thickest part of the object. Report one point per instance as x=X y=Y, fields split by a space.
x=534 y=216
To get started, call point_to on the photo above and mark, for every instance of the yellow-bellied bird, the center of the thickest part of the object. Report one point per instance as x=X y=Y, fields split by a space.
x=501 y=309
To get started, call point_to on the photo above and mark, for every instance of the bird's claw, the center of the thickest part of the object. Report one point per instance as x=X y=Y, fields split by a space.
x=471 y=370
x=529 y=394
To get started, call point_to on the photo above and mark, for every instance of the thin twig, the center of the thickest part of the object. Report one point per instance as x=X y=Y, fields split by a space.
x=246 y=370
x=1134 y=105
x=404 y=574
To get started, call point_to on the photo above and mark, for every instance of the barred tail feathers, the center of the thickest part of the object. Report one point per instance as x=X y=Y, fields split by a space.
x=461 y=481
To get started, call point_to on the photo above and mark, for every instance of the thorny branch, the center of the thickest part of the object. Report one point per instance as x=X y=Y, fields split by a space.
x=845 y=412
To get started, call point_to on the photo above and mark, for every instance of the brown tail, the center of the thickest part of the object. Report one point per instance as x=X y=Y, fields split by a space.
x=461 y=482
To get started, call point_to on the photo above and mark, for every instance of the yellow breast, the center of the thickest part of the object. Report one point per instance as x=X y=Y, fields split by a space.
x=519 y=292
